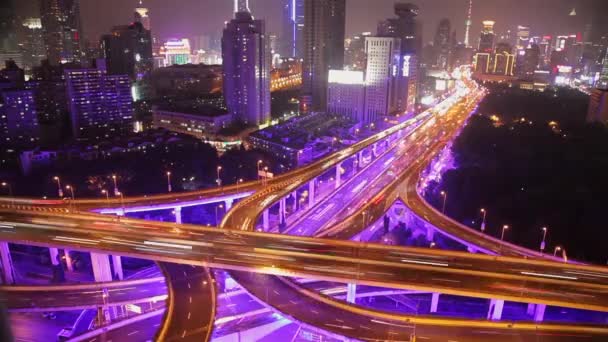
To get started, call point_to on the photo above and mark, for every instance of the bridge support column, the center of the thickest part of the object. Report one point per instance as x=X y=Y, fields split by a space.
x=265 y=220
x=374 y=150
x=539 y=312
x=117 y=263
x=311 y=192
x=178 y=214
x=282 y=211
x=8 y=273
x=101 y=267
x=338 y=175
x=54 y=255
x=430 y=232
x=360 y=160
x=434 y=302
x=68 y=260
x=531 y=308
x=472 y=250
x=495 y=311
x=351 y=293
x=294 y=195
x=228 y=204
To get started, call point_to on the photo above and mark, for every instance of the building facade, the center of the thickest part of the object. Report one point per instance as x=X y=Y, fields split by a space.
x=346 y=94
x=62 y=30
x=292 y=44
x=246 y=69
x=19 y=124
x=128 y=51
x=382 y=74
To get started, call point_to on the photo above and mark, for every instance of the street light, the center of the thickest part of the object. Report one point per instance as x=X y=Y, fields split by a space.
x=258 y=167
x=221 y=206
x=122 y=202
x=239 y=181
x=483 y=220
x=557 y=249
x=105 y=192
x=115 y=185
x=169 y=181
x=444 y=194
x=219 y=180
x=10 y=189
x=71 y=188
x=504 y=228
x=542 y=243
x=432 y=245
x=59 y=190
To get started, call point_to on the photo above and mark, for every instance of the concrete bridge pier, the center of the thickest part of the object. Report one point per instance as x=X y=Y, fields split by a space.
x=101 y=267
x=265 y=220
x=495 y=310
x=539 y=312
x=54 y=255
x=8 y=272
x=434 y=302
x=472 y=249
x=68 y=260
x=351 y=293
x=282 y=210
x=338 y=174
x=311 y=192
x=228 y=204
x=177 y=211
x=117 y=263
x=430 y=232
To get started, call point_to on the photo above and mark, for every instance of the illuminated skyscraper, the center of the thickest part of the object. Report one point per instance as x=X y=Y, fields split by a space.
x=405 y=26
x=100 y=105
x=128 y=50
x=18 y=118
x=468 y=23
x=176 y=51
x=486 y=40
x=324 y=27
x=382 y=76
x=523 y=37
x=62 y=30
x=602 y=83
x=142 y=16
x=293 y=28
x=346 y=94
x=246 y=67
x=33 y=44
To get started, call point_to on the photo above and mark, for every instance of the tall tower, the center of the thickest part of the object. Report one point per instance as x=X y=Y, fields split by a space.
x=486 y=40
x=246 y=67
x=468 y=23
x=142 y=16
x=292 y=44
x=324 y=30
x=62 y=30
x=442 y=44
x=381 y=77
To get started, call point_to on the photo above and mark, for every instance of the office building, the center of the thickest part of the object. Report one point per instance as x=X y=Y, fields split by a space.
x=62 y=30
x=19 y=127
x=602 y=82
x=293 y=29
x=468 y=24
x=405 y=26
x=128 y=51
x=8 y=33
x=504 y=60
x=486 y=40
x=531 y=62
x=246 y=68
x=176 y=52
x=381 y=77
x=523 y=37
x=100 y=105
x=346 y=94
x=48 y=84
x=481 y=62
x=442 y=44
x=324 y=27
x=33 y=49
x=200 y=121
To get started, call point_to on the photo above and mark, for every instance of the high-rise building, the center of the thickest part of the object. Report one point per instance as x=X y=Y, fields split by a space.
x=531 y=60
x=324 y=27
x=354 y=53
x=33 y=47
x=382 y=76
x=128 y=50
x=48 y=84
x=346 y=94
x=100 y=105
x=19 y=126
x=504 y=60
x=8 y=34
x=602 y=82
x=246 y=68
x=142 y=15
x=62 y=30
x=293 y=28
x=486 y=40
x=443 y=44
x=523 y=37
x=468 y=23
x=405 y=26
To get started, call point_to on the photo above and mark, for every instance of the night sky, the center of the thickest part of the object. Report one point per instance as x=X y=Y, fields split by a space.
x=177 y=18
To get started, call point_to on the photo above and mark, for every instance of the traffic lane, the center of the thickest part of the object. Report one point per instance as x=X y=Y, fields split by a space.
x=141 y=331
x=374 y=326
x=70 y=299
x=191 y=313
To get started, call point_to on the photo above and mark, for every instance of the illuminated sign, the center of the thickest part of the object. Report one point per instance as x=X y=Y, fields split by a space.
x=346 y=77
x=406 y=66
x=564 y=69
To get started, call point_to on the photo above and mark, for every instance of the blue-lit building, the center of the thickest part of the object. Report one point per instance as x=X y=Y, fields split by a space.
x=19 y=125
x=293 y=29
x=246 y=68
x=100 y=105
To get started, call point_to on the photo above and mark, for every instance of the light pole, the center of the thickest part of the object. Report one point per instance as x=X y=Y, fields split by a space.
x=542 y=243
x=504 y=228
x=169 y=181
x=432 y=245
x=59 y=190
x=239 y=181
x=557 y=249
x=71 y=188
x=10 y=189
x=219 y=180
x=258 y=167
x=483 y=220
x=115 y=185
x=122 y=202
x=105 y=192
x=444 y=194
x=221 y=206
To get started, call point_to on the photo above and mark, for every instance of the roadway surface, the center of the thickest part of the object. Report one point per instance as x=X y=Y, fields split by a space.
x=80 y=297
x=457 y=273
